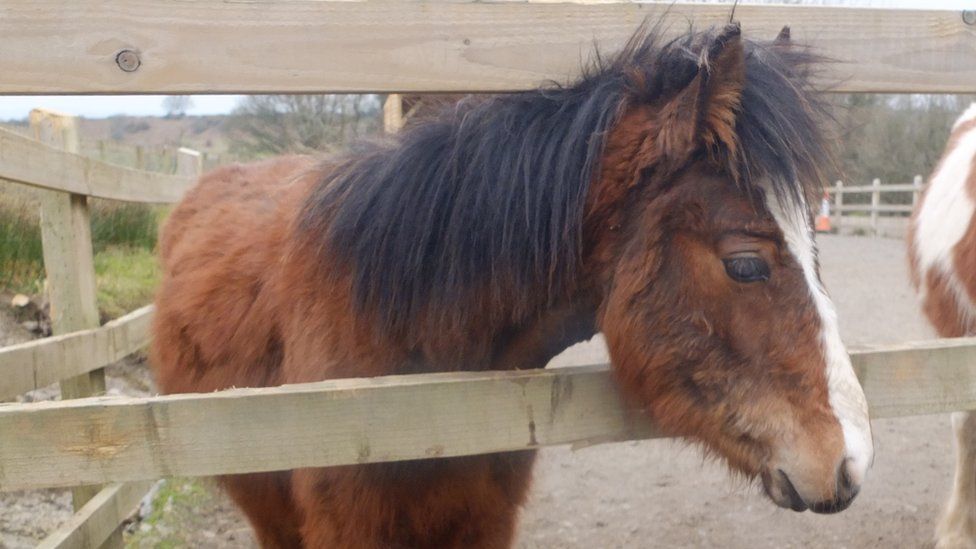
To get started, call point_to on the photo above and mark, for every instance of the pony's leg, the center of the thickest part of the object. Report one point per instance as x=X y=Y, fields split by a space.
x=266 y=500
x=957 y=527
x=457 y=503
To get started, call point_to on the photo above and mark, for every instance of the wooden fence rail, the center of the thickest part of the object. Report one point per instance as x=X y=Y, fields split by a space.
x=99 y=519
x=35 y=364
x=353 y=421
x=31 y=162
x=214 y=46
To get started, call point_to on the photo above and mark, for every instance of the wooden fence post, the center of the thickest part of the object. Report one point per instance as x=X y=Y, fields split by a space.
x=838 y=204
x=875 y=202
x=392 y=113
x=189 y=163
x=917 y=193
x=140 y=158
x=68 y=262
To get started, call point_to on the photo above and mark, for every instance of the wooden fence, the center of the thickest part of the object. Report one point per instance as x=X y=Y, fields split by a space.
x=75 y=357
x=212 y=46
x=905 y=196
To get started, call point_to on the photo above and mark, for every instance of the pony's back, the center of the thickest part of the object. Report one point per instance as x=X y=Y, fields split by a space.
x=942 y=236
x=218 y=251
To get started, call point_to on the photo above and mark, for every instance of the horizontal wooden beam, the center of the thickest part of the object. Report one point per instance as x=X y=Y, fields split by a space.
x=39 y=363
x=215 y=46
x=354 y=421
x=24 y=160
x=327 y=423
x=99 y=518
x=911 y=379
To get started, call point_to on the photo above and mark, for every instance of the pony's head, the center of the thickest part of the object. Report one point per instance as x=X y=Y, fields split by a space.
x=712 y=304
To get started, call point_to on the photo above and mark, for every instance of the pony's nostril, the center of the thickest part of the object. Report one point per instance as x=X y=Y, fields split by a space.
x=795 y=501
x=844 y=482
x=846 y=487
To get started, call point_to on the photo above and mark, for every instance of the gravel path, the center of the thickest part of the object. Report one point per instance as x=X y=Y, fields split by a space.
x=661 y=494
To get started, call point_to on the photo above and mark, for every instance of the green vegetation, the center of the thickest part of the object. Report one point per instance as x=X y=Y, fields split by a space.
x=126 y=278
x=892 y=137
x=123 y=237
x=21 y=254
x=174 y=514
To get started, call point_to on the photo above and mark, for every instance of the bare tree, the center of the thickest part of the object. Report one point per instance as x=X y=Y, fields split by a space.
x=893 y=137
x=177 y=105
x=274 y=124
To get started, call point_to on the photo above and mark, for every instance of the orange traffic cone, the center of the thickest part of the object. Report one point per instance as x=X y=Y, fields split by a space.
x=822 y=224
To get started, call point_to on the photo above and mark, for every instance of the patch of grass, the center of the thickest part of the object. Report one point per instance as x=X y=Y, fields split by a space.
x=123 y=238
x=173 y=508
x=126 y=278
x=123 y=224
x=21 y=253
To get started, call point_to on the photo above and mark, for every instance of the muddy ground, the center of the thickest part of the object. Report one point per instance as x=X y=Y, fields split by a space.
x=660 y=493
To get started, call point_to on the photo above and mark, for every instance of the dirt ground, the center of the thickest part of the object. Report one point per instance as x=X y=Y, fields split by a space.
x=661 y=494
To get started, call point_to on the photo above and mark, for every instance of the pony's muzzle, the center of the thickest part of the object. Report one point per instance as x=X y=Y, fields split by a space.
x=780 y=488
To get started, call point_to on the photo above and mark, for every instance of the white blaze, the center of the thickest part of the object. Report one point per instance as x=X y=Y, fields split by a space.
x=946 y=213
x=845 y=395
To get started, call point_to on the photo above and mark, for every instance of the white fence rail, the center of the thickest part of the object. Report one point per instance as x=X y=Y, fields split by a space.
x=871 y=211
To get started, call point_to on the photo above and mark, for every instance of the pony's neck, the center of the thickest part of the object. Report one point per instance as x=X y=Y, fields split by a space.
x=608 y=205
x=536 y=343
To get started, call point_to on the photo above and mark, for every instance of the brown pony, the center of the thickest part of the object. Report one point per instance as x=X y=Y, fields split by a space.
x=661 y=199
x=942 y=256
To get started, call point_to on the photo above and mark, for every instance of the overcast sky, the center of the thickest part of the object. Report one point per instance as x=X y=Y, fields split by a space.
x=12 y=108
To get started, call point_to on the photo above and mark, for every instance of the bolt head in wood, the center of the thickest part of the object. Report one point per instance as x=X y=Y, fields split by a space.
x=969 y=17
x=128 y=60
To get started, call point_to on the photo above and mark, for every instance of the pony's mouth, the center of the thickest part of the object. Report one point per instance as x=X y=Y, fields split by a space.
x=780 y=489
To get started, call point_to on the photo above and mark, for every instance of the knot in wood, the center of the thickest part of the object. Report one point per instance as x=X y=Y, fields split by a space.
x=128 y=60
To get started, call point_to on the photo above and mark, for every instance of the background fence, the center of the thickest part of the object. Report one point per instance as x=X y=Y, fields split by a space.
x=211 y=46
x=878 y=209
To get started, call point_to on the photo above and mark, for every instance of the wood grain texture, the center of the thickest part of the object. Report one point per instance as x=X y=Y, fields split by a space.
x=38 y=363
x=341 y=421
x=394 y=418
x=31 y=162
x=68 y=261
x=214 y=46
x=97 y=521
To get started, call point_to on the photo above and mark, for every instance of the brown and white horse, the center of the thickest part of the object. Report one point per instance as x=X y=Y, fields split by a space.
x=661 y=199
x=942 y=250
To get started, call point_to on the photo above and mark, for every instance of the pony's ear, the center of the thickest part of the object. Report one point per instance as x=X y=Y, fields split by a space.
x=783 y=38
x=703 y=113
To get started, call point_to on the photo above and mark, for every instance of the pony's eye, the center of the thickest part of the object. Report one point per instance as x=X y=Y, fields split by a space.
x=747 y=268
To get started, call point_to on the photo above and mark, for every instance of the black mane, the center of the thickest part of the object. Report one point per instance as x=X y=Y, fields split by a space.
x=489 y=195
